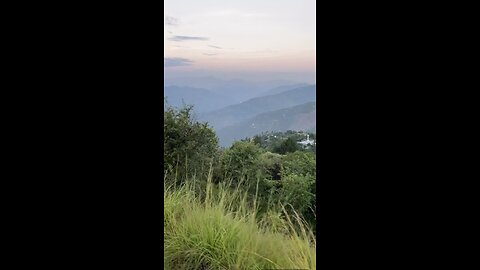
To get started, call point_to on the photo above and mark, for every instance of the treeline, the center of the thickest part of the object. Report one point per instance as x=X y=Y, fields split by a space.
x=274 y=170
x=284 y=142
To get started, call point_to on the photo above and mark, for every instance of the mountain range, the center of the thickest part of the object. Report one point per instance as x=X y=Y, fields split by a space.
x=203 y=100
x=300 y=117
x=237 y=113
x=236 y=89
x=237 y=109
x=280 y=89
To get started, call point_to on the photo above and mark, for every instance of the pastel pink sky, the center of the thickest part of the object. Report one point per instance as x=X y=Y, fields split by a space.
x=240 y=35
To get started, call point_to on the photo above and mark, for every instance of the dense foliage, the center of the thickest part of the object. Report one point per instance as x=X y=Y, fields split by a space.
x=284 y=142
x=272 y=168
x=222 y=206
x=189 y=146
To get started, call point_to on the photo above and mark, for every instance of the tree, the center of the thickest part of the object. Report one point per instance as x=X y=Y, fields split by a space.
x=241 y=162
x=296 y=191
x=299 y=182
x=189 y=146
x=300 y=163
x=271 y=164
x=287 y=146
x=257 y=140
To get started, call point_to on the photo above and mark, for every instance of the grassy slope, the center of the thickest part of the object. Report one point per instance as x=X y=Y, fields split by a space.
x=222 y=231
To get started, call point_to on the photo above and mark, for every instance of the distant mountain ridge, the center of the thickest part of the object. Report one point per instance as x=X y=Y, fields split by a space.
x=236 y=89
x=203 y=100
x=300 y=118
x=237 y=113
x=283 y=88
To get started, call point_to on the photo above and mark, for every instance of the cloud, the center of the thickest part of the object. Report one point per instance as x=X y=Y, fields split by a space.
x=171 y=21
x=187 y=38
x=176 y=62
x=210 y=54
x=216 y=47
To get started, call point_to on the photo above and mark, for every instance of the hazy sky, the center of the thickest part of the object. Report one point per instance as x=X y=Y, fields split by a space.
x=240 y=35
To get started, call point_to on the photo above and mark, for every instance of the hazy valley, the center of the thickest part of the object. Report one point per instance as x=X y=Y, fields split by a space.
x=239 y=108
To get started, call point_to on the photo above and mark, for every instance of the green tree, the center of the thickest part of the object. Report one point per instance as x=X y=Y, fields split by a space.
x=299 y=182
x=189 y=146
x=241 y=162
x=257 y=140
x=296 y=191
x=300 y=163
x=287 y=146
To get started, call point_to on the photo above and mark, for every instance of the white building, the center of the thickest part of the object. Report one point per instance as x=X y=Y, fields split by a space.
x=307 y=141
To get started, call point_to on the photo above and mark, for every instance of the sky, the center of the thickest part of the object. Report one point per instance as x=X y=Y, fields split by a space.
x=268 y=36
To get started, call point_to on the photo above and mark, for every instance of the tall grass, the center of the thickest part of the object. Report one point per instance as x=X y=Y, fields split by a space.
x=221 y=230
